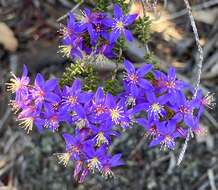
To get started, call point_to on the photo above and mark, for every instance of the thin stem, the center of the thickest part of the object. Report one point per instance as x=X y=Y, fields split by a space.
x=72 y=10
x=197 y=77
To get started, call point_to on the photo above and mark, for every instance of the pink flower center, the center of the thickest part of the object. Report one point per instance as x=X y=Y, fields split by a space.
x=100 y=109
x=170 y=84
x=72 y=99
x=133 y=78
x=185 y=110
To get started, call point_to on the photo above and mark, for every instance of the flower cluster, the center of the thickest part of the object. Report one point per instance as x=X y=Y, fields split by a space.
x=95 y=33
x=157 y=103
x=161 y=104
x=167 y=108
x=96 y=118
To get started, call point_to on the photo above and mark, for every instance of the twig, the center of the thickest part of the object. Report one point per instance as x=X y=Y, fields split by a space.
x=72 y=10
x=184 y=11
x=197 y=77
x=211 y=179
x=182 y=153
x=207 y=183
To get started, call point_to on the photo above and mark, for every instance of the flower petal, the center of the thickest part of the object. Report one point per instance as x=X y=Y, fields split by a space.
x=99 y=95
x=39 y=81
x=85 y=97
x=108 y=22
x=69 y=139
x=129 y=66
x=151 y=97
x=76 y=86
x=118 y=13
x=144 y=70
x=172 y=73
x=110 y=101
x=130 y=19
x=128 y=35
x=114 y=35
x=145 y=84
x=156 y=141
x=51 y=84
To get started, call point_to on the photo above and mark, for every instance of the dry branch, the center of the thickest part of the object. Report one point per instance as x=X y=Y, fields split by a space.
x=196 y=77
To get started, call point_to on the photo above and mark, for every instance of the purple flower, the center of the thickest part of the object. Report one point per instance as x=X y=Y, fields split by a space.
x=28 y=117
x=184 y=109
x=204 y=101
x=42 y=91
x=169 y=82
x=56 y=101
x=53 y=118
x=166 y=135
x=73 y=97
x=102 y=134
x=88 y=21
x=119 y=24
x=19 y=103
x=80 y=118
x=154 y=107
x=110 y=162
x=106 y=50
x=99 y=29
x=135 y=78
x=19 y=85
x=74 y=148
x=98 y=107
x=94 y=157
x=150 y=127
x=71 y=47
x=72 y=28
x=117 y=112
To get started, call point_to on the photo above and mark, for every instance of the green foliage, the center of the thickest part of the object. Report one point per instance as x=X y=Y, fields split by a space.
x=119 y=47
x=149 y=58
x=83 y=71
x=142 y=29
x=101 y=5
x=113 y=86
x=123 y=5
x=78 y=1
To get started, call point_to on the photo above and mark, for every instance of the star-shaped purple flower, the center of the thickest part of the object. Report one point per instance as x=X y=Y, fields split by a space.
x=119 y=24
x=118 y=114
x=73 y=97
x=94 y=157
x=135 y=78
x=166 y=135
x=42 y=91
x=154 y=106
x=19 y=85
x=98 y=107
x=184 y=109
x=110 y=162
x=102 y=134
x=169 y=82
